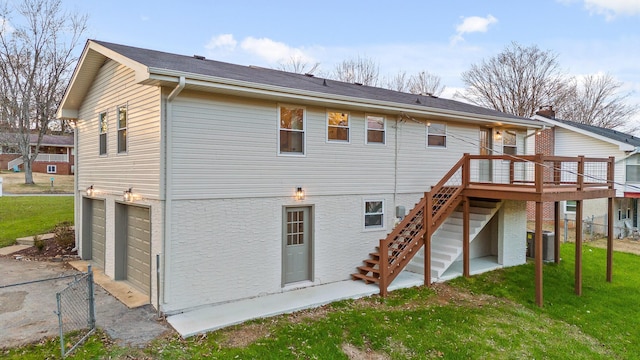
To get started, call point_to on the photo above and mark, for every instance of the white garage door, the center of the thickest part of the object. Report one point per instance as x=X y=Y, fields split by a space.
x=139 y=248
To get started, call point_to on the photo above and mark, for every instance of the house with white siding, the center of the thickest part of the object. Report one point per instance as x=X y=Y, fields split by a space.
x=569 y=138
x=227 y=182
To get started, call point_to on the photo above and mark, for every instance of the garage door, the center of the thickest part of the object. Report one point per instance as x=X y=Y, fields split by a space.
x=138 y=240
x=94 y=230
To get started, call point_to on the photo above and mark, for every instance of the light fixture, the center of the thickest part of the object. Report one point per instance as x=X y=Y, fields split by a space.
x=299 y=194
x=90 y=191
x=498 y=135
x=128 y=195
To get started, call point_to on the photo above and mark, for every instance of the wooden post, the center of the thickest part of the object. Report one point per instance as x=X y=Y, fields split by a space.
x=610 y=178
x=539 y=174
x=580 y=178
x=556 y=231
x=383 y=266
x=466 y=176
x=465 y=237
x=538 y=254
x=428 y=214
x=610 y=240
x=578 y=285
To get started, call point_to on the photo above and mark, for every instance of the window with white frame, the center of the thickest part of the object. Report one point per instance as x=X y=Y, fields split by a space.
x=509 y=143
x=436 y=135
x=376 y=129
x=291 y=136
x=633 y=169
x=102 y=123
x=52 y=169
x=374 y=214
x=337 y=126
x=570 y=206
x=122 y=129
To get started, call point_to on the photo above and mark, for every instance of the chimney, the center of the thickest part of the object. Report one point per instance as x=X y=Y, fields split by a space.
x=546 y=111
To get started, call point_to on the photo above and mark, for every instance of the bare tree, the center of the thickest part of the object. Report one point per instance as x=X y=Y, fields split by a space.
x=36 y=58
x=596 y=100
x=360 y=70
x=398 y=82
x=297 y=65
x=517 y=81
x=426 y=83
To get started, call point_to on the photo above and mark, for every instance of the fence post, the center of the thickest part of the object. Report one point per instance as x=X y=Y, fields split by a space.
x=566 y=227
x=60 y=325
x=92 y=308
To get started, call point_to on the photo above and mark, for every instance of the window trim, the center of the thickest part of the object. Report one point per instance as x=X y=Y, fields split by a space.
x=303 y=131
x=54 y=169
x=445 y=135
x=365 y=214
x=105 y=133
x=125 y=129
x=348 y=127
x=383 y=131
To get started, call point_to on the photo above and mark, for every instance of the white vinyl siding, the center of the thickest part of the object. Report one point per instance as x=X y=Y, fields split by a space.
x=113 y=86
x=570 y=143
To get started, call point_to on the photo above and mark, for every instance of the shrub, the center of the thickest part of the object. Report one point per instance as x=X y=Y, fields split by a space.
x=64 y=235
x=38 y=242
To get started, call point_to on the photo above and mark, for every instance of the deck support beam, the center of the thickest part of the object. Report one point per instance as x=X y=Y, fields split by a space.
x=556 y=232
x=610 y=240
x=578 y=285
x=465 y=237
x=428 y=220
x=538 y=253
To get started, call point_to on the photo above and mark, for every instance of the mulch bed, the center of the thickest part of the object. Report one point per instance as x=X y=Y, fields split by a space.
x=52 y=251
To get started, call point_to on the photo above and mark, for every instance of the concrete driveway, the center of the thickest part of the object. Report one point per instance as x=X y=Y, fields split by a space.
x=27 y=312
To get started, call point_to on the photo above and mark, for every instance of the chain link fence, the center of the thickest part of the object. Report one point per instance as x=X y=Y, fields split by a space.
x=595 y=228
x=76 y=312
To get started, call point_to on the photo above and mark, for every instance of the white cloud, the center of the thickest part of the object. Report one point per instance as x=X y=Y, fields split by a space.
x=5 y=26
x=223 y=42
x=612 y=8
x=273 y=51
x=472 y=24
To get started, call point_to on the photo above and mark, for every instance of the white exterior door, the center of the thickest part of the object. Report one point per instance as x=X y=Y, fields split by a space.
x=297 y=244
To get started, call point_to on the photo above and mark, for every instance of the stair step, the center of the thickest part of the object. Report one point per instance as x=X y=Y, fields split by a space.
x=364 y=270
x=371 y=262
x=367 y=279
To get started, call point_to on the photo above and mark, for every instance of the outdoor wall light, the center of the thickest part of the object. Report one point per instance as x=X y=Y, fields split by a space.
x=90 y=191
x=128 y=195
x=299 y=194
x=498 y=135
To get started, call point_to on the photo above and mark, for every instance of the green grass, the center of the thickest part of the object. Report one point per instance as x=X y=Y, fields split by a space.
x=491 y=316
x=30 y=215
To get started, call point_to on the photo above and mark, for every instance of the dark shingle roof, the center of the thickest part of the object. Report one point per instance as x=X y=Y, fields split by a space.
x=53 y=140
x=608 y=133
x=189 y=64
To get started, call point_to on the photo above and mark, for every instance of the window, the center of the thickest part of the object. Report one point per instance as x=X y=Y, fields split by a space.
x=337 y=126
x=291 y=134
x=633 y=169
x=570 y=206
x=375 y=129
x=509 y=143
x=103 y=133
x=51 y=169
x=374 y=214
x=122 y=129
x=436 y=135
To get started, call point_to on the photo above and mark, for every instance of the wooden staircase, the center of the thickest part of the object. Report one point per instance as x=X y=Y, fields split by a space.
x=396 y=251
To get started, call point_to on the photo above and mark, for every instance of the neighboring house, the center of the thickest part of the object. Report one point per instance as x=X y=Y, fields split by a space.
x=245 y=181
x=55 y=156
x=568 y=138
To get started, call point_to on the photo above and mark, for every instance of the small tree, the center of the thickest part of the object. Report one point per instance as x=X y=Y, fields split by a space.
x=426 y=83
x=517 y=81
x=297 y=65
x=36 y=58
x=398 y=82
x=360 y=70
x=596 y=100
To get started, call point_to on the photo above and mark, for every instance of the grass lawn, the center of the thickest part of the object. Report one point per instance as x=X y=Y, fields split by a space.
x=490 y=316
x=30 y=215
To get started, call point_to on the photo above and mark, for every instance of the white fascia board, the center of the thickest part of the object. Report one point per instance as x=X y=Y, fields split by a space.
x=330 y=99
x=622 y=146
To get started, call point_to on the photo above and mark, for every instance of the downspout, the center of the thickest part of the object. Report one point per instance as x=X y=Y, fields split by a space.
x=168 y=158
x=76 y=197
